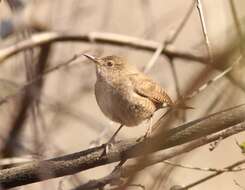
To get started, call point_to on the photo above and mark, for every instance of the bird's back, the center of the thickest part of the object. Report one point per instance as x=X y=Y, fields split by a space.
x=146 y=87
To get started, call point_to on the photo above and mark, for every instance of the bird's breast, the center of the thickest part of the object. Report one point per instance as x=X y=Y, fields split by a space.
x=121 y=104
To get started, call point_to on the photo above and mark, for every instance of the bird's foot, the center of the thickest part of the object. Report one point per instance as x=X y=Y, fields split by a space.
x=107 y=146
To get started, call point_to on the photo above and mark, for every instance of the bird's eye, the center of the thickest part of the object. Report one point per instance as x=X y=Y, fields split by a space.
x=109 y=63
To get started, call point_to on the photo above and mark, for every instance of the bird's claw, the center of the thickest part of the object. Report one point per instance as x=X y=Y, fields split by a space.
x=107 y=146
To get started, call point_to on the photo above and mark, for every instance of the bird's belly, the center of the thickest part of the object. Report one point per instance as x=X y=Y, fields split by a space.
x=122 y=107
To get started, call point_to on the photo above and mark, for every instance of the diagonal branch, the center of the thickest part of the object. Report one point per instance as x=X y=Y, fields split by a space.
x=128 y=170
x=77 y=162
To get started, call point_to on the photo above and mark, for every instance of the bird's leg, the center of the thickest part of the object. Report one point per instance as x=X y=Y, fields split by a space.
x=114 y=135
x=148 y=131
x=149 y=128
x=111 y=140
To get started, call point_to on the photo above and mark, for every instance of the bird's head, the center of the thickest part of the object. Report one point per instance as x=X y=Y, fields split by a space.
x=111 y=62
x=110 y=65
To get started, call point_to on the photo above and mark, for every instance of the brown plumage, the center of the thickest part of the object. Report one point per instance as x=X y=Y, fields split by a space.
x=124 y=94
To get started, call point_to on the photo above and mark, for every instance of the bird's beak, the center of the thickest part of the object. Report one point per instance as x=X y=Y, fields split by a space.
x=92 y=58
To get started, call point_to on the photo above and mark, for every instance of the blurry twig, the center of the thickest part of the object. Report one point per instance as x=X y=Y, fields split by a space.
x=222 y=98
x=97 y=37
x=204 y=169
x=177 y=89
x=204 y=30
x=147 y=14
x=15 y=4
x=230 y=167
x=217 y=77
x=237 y=184
x=38 y=77
x=170 y=39
x=237 y=25
x=176 y=32
x=36 y=92
x=163 y=177
x=154 y=58
x=30 y=93
x=15 y=160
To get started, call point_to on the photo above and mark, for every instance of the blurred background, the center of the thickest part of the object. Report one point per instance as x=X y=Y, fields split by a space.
x=59 y=115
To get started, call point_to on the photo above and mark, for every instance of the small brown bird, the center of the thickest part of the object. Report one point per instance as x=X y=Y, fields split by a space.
x=124 y=94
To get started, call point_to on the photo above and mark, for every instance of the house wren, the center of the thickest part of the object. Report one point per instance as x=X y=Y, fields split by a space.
x=124 y=94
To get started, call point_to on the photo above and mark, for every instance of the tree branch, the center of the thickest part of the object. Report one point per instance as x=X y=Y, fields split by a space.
x=128 y=170
x=80 y=161
x=93 y=37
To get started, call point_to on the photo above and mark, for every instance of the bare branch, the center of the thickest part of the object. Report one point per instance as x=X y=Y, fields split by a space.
x=94 y=157
x=152 y=159
x=94 y=37
x=154 y=58
x=204 y=30
x=170 y=39
x=176 y=32
x=217 y=77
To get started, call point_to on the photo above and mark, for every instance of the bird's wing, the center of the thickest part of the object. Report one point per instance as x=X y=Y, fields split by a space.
x=146 y=87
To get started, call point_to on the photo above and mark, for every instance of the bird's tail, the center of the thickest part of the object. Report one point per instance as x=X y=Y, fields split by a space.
x=181 y=105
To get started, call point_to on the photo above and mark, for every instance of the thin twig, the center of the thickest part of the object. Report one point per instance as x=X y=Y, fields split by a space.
x=37 y=78
x=230 y=167
x=204 y=30
x=237 y=184
x=204 y=169
x=237 y=25
x=170 y=39
x=177 y=88
x=154 y=58
x=219 y=76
